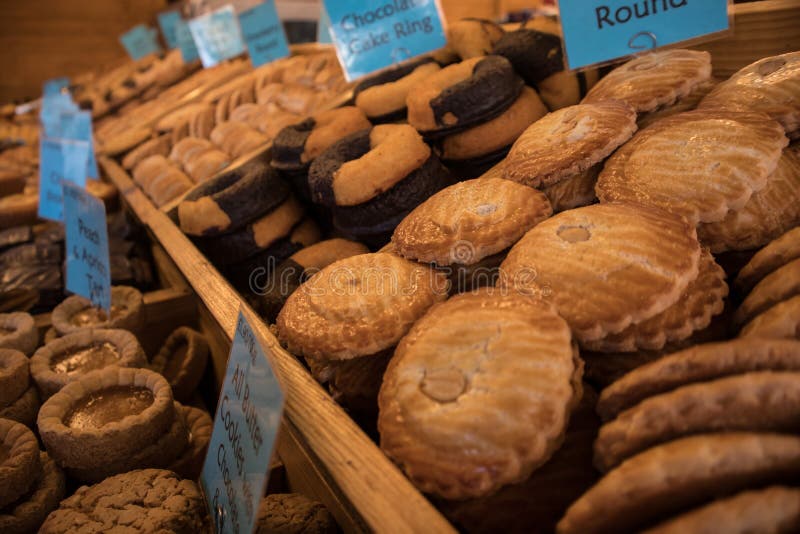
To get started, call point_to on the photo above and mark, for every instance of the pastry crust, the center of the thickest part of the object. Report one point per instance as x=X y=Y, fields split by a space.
x=773 y=256
x=24 y=335
x=700 y=363
x=23 y=410
x=574 y=191
x=767 y=215
x=773 y=289
x=687 y=103
x=781 y=321
x=358 y=306
x=14 y=376
x=21 y=467
x=127 y=299
x=183 y=369
x=605 y=266
x=468 y=221
x=199 y=424
x=23 y=517
x=702 y=299
x=754 y=402
x=699 y=164
x=653 y=80
x=774 y=509
x=456 y=377
x=569 y=141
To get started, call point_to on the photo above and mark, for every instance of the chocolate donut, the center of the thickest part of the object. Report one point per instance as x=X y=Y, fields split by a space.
x=463 y=95
x=231 y=200
x=382 y=97
x=371 y=179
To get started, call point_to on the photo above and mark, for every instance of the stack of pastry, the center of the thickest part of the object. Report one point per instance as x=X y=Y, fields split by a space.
x=199 y=158
x=161 y=179
x=19 y=400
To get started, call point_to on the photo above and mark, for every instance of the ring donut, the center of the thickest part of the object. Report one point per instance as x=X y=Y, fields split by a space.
x=462 y=95
x=231 y=200
x=382 y=97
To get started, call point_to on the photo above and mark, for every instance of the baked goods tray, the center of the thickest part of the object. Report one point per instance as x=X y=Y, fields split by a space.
x=323 y=449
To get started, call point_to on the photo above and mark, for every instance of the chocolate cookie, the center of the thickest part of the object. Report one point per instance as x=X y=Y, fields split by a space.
x=182 y=360
x=27 y=513
x=292 y=513
x=71 y=357
x=147 y=500
x=18 y=332
x=76 y=313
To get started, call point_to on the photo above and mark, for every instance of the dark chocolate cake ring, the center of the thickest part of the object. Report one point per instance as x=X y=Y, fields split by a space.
x=232 y=200
x=535 y=55
x=389 y=76
x=320 y=174
x=289 y=144
x=491 y=89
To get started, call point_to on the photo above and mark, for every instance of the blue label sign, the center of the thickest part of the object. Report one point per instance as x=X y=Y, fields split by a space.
x=55 y=86
x=217 y=35
x=601 y=30
x=167 y=22
x=59 y=160
x=186 y=41
x=64 y=121
x=140 y=41
x=324 y=27
x=370 y=36
x=88 y=265
x=245 y=427
x=263 y=33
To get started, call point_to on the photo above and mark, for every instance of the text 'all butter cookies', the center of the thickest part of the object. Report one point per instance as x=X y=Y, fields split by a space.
x=699 y=164
x=605 y=266
x=479 y=393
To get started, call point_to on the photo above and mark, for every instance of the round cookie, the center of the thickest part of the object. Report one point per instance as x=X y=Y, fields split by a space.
x=293 y=513
x=76 y=313
x=182 y=360
x=687 y=103
x=19 y=461
x=769 y=213
x=769 y=85
x=18 y=332
x=568 y=141
x=605 y=266
x=471 y=37
x=776 y=287
x=469 y=221
x=14 y=376
x=69 y=358
x=27 y=515
x=109 y=414
x=462 y=95
x=700 y=363
x=773 y=256
x=447 y=391
x=654 y=79
x=692 y=163
x=781 y=321
x=147 y=500
x=382 y=98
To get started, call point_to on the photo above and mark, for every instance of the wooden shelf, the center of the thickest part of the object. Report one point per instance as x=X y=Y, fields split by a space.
x=350 y=474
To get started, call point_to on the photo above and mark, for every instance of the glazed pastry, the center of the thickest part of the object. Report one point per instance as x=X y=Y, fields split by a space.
x=463 y=95
x=69 y=358
x=382 y=97
x=770 y=85
x=182 y=360
x=18 y=332
x=687 y=103
x=76 y=313
x=773 y=256
x=468 y=223
x=162 y=500
x=781 y=321
x=292 y=513
x=605 y=267
x=575 y=191
x=448 y=388
x=699 y=164
x=653 y=80
x=568 y=142
x=366 y=203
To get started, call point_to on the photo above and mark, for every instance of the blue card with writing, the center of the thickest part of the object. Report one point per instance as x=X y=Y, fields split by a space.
x=59 y=160
x=371 y=36
x=596 y=31
x=186 y=41
x=217 y=35
x=263 y=33
x=324 y=27
x=246 y=425
x=53 y=106
x=140 y=41
x=55 y=86
x=88 y=264
x=167 y=21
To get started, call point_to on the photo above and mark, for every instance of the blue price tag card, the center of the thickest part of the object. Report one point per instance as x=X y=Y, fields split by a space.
x=140 y=41
x=217 y=35
x=371 y=36
x=88 y=265
x=263 y=33
x=53 y=106
x=55 y=86
x=597 y=31
x=324 y=27
x=186 y=41
x=59 y=160
x=167 y=22
x=245 y=428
